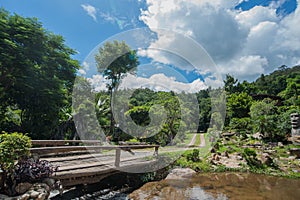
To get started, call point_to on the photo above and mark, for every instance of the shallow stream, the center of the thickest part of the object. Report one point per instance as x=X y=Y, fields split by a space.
x=235 y=186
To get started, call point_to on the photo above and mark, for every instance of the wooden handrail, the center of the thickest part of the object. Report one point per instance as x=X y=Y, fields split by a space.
x=62 y=142
x=63 y=149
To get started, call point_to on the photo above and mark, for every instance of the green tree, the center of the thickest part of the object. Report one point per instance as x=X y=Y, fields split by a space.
x=263 y=116
x=36 y=76
x=204 y=103
x=238 y=105
x=230 y=84
x=114 y=60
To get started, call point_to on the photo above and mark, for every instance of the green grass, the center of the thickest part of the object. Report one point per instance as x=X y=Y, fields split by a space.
x=188 y=138
x=197 y=142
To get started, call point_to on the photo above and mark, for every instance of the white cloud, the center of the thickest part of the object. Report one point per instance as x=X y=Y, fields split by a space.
x=157 y=82
x=160 y=82
x=256 y=15
x=245 y=66
x=244 y=43
x=82 y=71
x=98 y=82
x=91 y=11
x=86 y=65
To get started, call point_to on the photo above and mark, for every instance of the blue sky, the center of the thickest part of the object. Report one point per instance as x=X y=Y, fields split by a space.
x=243 y=38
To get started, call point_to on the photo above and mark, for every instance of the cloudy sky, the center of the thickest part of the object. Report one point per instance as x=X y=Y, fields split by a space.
x=244 y=38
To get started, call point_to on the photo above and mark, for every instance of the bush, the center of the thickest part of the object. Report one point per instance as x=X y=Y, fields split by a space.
x=13 y=147
x=240 y=124
x=193 y=156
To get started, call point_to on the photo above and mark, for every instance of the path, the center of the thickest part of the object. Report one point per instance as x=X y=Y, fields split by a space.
x=202 y=140
x=193 y=140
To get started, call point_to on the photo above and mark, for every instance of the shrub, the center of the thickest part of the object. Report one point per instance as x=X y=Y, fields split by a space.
x=240 y=124
x=193 y=156
x=13 y=147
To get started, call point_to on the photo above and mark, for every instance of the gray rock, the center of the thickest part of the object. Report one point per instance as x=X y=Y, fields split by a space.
x=23 y=187
x=181 y=173
x=239 y=157
x=257 y=135
x=25 y=197
x=34 y=194
x=266 y=159
x=50 y=182
x=42 y=196
x=279 y=144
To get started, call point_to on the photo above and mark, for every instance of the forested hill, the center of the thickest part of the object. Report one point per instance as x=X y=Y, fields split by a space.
x=282 y=82
x=264 y=105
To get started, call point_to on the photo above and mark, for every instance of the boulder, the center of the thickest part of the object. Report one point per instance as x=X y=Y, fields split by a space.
x=34 y=194
x=50 y=182
x=25 y=197
x=21 y=188
x=181 y=173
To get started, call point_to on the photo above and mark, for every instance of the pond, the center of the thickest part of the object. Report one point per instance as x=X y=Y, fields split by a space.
x=222 y=186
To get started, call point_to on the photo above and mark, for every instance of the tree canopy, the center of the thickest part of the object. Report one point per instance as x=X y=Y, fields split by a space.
x=36 y=76
x=114 y=60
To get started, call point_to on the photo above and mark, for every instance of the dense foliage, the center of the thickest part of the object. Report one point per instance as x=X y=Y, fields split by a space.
x=115 y=60
x=264 y=106
x=13 y=147
x=36 y=77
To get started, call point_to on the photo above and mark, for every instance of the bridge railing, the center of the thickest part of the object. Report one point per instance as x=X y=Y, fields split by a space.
x=61 y=146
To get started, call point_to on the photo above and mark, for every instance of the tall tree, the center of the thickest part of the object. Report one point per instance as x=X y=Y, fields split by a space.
x=263 y=114
x=230 y=84
x=114 y=60
x=36 y=76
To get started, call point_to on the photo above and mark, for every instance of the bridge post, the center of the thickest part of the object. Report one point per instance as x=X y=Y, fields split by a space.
x=118 y=155
x=156 y=152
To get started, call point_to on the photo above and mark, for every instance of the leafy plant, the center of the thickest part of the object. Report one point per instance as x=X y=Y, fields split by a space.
x=33 y=170
x=250 y=157
x=13 y=147
x=193 y=156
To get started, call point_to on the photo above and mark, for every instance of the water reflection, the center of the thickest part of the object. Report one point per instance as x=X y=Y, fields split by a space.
x=221 y=186
x=196 y=193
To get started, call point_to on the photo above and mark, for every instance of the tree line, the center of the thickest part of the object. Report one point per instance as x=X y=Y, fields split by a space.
x=37 y=76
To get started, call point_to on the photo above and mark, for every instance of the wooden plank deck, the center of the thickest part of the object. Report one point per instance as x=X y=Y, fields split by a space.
x=98 y=163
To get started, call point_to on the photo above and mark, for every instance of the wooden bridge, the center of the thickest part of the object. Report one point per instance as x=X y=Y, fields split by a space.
x=87 y=161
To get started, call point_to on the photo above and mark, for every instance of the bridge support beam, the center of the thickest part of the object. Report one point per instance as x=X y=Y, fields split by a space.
x=118 y=157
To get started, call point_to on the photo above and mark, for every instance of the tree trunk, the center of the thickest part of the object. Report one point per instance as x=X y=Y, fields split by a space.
x=111 y=127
